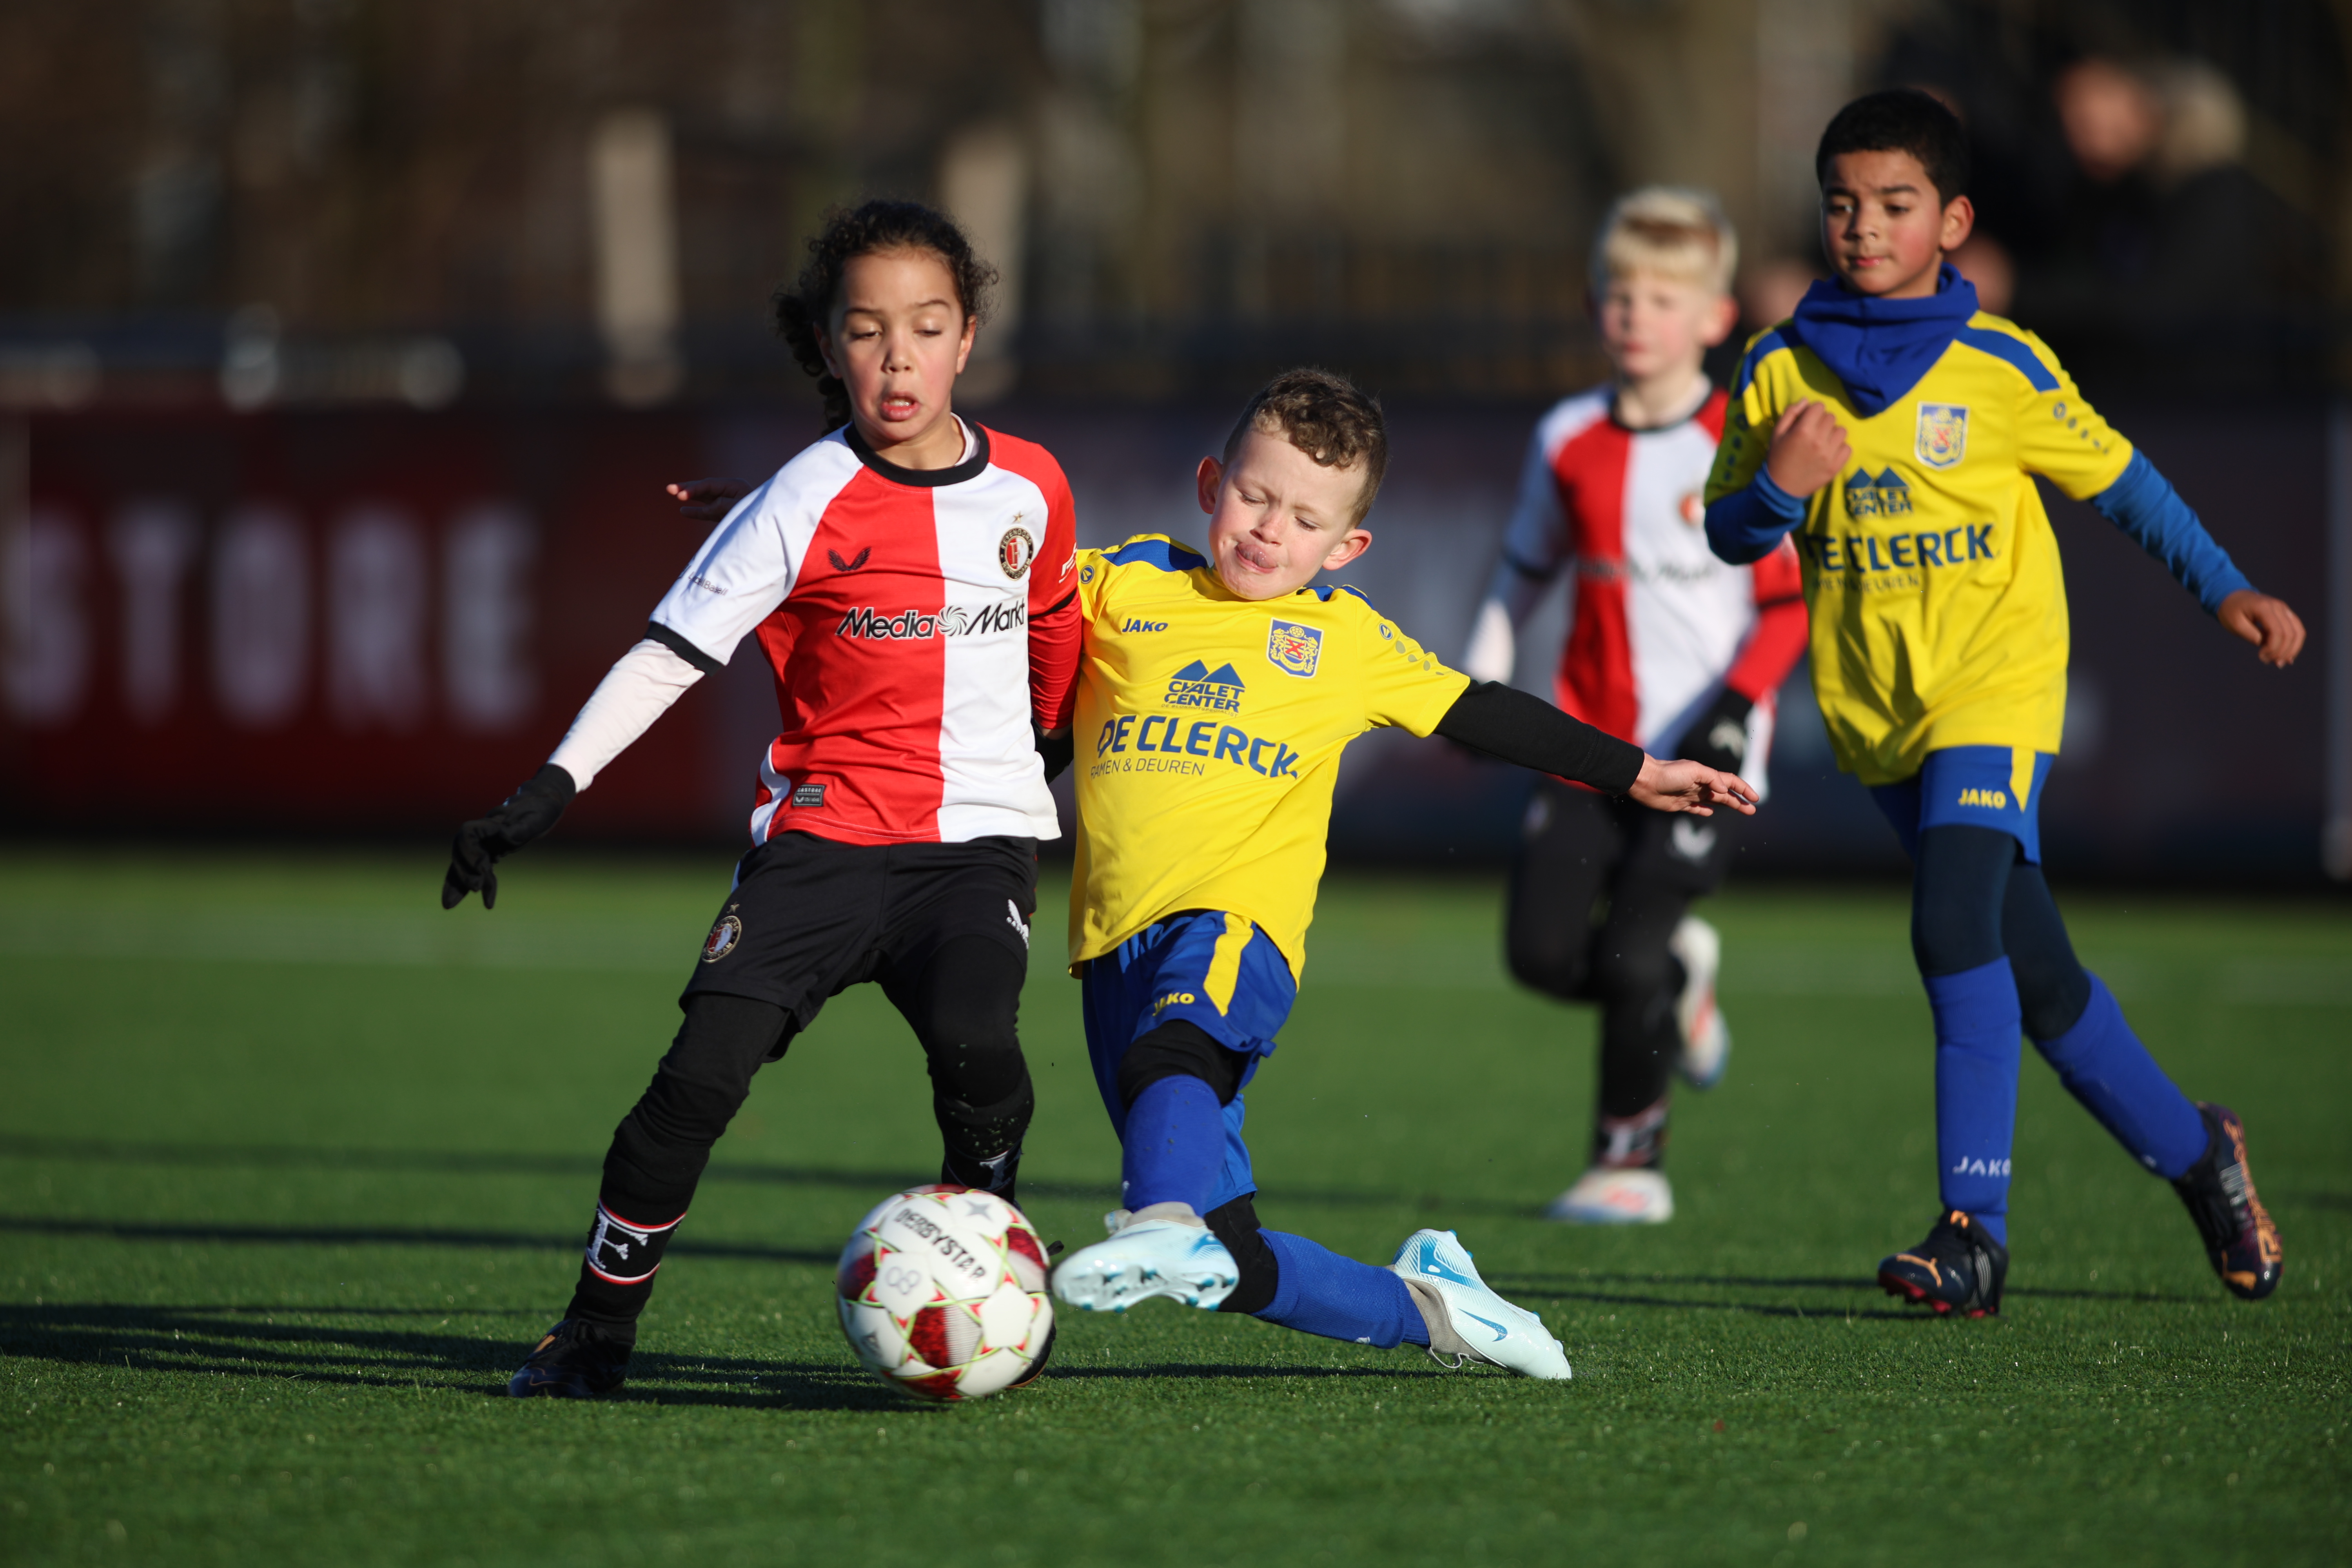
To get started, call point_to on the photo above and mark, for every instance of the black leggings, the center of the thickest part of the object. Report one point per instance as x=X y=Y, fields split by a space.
x=1974 y=896
x=1576 y=847
x=963 y=1008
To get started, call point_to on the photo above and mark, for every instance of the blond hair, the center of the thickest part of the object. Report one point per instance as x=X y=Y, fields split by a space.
x=1671 y=230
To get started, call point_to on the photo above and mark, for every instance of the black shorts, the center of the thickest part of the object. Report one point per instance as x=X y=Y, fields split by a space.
x=808 y=917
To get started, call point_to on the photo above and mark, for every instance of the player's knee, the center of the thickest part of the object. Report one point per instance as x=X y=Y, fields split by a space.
x=2050 y=996
x=968 y=998
x=1633 y=972
x=1551 y=962
x=706 y=1074
x=1181 y=1049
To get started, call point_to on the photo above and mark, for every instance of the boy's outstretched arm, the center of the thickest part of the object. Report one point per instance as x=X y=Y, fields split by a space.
x=2145 y=505
x=1507 y=724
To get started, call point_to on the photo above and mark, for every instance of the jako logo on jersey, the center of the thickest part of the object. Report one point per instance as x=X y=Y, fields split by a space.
x=1160 y=1003
x=1197 y=686
x=1943 y=438
x=1981 y=1168
x=1016 y=551
x=1996 y=798
x=1885 y=496
x=853 y=564
x=919 y=625
x=721 y=939
x=1132 y=624
x=1165 y=732
x=1293 y=648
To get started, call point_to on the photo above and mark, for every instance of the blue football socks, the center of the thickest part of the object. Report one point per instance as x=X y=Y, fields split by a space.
x=1978 y=1025
x=1320 y=1292
x=1174 y=1144
x=2103 y=1063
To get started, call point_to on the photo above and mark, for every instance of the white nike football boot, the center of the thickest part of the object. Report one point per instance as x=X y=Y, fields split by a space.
x=1165 y=1250
x=1707 y=1039
x=1465 y=1319
x=1609 y=1194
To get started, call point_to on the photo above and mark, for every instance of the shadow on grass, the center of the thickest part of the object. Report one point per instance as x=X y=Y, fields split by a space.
x=250 y=1342
x=588 y=1168
x=1593 y=1286
x=377 y=1236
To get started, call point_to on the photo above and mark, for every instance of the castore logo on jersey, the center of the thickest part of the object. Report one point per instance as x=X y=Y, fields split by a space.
x=854 y=562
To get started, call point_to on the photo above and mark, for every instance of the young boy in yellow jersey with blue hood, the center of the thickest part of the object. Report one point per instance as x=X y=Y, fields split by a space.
x=1897 y=429
x=1216 y=694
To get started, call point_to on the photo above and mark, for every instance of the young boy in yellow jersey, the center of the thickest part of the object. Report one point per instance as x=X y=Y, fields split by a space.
x=1898 y=430
x=1216 y=694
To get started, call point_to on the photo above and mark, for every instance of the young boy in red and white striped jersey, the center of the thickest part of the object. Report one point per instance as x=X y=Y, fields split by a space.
x=909 y=580
x=1667 y=648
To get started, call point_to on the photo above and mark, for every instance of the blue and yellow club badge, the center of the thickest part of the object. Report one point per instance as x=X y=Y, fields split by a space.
x=1942 y=434
x=1293 y=648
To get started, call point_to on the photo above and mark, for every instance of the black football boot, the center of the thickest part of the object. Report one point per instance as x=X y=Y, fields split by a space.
x=2220 y=1192
x=573 y=1362
x=1958 y=1268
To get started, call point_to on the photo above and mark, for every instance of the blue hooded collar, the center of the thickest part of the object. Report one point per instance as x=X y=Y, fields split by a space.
x=1880 y=348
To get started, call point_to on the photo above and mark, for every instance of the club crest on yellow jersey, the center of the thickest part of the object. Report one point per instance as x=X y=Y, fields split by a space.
x=1943 y=438
x=1293 y=648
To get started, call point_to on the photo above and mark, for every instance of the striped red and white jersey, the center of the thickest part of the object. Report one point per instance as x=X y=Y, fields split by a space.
x=1658 y=625
x=916 y=621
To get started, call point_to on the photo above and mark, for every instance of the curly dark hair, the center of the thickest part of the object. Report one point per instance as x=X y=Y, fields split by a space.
x=1902 y=120
x=1325 y=416
x=871 y=229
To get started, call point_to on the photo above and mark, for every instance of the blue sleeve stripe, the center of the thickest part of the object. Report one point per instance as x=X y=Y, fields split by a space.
x=2001 y=346
x=1157 y=553
x=1324 y=591
x=2146 y=507
x=1762 y=349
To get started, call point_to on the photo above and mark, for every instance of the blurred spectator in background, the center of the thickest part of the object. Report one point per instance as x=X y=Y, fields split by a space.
x=2164 y=250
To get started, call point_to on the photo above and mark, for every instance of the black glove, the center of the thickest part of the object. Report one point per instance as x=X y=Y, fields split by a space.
x=482 y=843
x=1718 y=737
x=1053 y=751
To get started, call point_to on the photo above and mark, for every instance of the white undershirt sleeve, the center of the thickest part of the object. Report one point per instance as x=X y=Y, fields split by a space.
x=638 y=691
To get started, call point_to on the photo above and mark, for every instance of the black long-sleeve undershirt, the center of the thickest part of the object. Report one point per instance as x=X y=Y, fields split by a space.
x=1505 y=722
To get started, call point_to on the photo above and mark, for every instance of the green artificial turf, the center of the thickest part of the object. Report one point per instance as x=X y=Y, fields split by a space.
x=293 y=1167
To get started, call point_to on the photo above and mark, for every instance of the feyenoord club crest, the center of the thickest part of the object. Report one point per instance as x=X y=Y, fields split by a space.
x=1293 y=648
x=1942 y=434
x=1016 y=551
x=721 y=939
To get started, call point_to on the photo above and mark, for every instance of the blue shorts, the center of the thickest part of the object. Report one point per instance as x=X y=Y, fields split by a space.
x=1213 y=970
x=1971 y=786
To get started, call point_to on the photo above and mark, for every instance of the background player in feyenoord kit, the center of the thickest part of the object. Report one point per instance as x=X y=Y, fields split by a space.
x=1667 y=647
x=1897 y=429
x=909 y=579
x=1214 y=698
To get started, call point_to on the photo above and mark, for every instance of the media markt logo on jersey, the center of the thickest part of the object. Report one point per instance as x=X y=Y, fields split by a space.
x=1942 y=434
x=1197 y=686
x=1292 y=648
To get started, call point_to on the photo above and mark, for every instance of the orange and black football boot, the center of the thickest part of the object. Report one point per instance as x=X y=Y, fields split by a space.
x=573 y=1362
x=2220 y=1192
x=1958 y=1268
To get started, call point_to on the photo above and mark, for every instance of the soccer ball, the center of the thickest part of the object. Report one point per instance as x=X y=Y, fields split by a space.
x=942 y=1293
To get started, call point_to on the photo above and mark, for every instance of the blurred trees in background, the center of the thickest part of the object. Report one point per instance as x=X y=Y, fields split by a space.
x=298 y=201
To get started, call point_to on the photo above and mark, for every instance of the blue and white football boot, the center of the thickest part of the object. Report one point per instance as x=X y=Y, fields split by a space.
x=1164 y=1249
x=1707 y=1038
x=1467 y=1320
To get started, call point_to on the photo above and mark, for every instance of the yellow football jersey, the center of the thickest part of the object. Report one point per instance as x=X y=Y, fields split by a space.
x=1208 y=734
x=1931 y=572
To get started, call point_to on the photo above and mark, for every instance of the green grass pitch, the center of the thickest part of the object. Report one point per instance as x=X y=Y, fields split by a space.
x=293 y=1166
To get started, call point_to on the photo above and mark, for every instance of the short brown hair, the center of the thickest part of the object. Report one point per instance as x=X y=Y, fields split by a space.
x=1325 y=416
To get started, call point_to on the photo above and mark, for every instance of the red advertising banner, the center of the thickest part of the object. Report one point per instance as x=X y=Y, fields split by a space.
x=321 y=622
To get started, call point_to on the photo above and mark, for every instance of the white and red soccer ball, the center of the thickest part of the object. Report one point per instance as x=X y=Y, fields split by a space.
x=942 y=1293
